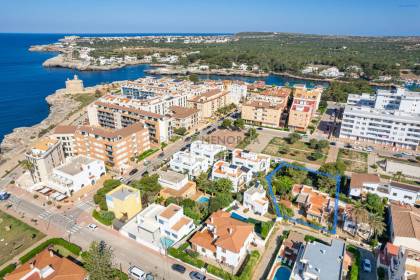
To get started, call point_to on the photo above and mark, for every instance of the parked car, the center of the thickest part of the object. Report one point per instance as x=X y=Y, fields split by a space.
x=367 y=267
x=92 y=226
x=179 y=268
x=132 y=172
x=187 y=139
x=146 y=162
x=370 y=149
x=195 y=275
x=398 y=155
x=333 y=143
x=4 y=195
x=136 y=273
x=161 y=155
x=259 y=128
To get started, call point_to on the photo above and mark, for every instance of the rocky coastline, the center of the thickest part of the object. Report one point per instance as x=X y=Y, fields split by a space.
x=60 y=104
x=220 y=72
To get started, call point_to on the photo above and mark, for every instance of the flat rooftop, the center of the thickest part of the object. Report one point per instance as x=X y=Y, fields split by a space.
x=75 y=166
x=171 y=176
x=122 y=192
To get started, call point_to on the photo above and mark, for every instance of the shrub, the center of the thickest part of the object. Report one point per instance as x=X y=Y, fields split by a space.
x=354 y=270
x=9 y=268
x=181 y=255
x=104 y=217
x=73 y=248
x=249 y=266
x=265 y=228
x=219 y=272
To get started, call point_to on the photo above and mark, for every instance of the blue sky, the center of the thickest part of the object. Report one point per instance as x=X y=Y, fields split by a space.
x=353 y=17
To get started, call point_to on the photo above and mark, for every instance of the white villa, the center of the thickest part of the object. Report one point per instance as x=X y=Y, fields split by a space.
x=76 y=173
x=238 y=175
x=189 y=163
x=255 y=162
x=158 y=227
x=223 y=239
x=255 y=199
x=208 y=151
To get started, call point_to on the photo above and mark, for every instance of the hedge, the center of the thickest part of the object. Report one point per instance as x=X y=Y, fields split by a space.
x=250 y=265
x=216 y=271
x=99 y=197
x=7 y=270
x=73 y=248
x=147 y=153
x=181 y=255
x=354 y=270
x=104 y=217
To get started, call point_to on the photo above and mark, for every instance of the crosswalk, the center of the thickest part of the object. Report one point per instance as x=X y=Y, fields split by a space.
x=45 y=215
x=74 y=228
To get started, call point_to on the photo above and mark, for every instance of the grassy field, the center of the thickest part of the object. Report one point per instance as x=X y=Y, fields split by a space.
x=355 y=161
x=15 y=237
x=299 y=151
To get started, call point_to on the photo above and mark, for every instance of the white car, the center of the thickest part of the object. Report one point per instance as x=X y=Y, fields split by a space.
x=92 y=226
x=136 y=273
x=367 y=267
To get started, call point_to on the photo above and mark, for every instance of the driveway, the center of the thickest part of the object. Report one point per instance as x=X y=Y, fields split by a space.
x=365 y=254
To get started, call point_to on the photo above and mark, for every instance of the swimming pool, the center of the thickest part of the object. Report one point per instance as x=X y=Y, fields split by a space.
x=203 y=199
x=166 y=242
x=282 y=273
x=238 y=217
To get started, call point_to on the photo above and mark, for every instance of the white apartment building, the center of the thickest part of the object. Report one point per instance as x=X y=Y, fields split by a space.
x=44 y=156
x=189 y=163
x=389 y=118
x=76 y=173
x=237 y=91
x=255 y=199
x=255 y=162
x=158 y=227
x=240 y=176
x=65 y=134
x=208 y=151
x=332 y=72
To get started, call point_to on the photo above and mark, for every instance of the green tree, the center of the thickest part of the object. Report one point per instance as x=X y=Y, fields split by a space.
x=322 y=144
x=180 y=131
x=283 y=185
x=298 y=176
x=359 y=213
x=227 y=123
x=222 y=185
x=239 y=123
x=148 y=183
x=27 y=165
x=377 y=224
x=221 y=200
x=313 y=143
x=252 y=133
x=326 y=183
x=203 y=183
x=375 y=204
x=293 y=137
x=316 y=155
x=99 y=261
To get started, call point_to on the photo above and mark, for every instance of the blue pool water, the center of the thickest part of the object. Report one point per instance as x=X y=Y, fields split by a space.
x=166 y=242
x=238 y=217
x=282 y=273
x=203 y=199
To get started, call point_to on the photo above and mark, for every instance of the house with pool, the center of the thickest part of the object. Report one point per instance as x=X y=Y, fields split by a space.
x=223 y=239
x=159 y=227
x=176 y=185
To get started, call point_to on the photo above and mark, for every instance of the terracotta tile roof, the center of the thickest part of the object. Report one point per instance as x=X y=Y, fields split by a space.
x=182 y=222
x=44 y=144
x=263 y=104
x=65 y=129
x=392 y=249
x=170 y=211
x=204 y=239
x=405 y=221
x=63 y=268
x=112 y=133
x=358 y=179
x=182 y=112
x=231 y=233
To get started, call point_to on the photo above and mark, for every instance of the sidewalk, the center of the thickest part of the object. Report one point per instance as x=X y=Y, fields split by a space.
x=271 y=248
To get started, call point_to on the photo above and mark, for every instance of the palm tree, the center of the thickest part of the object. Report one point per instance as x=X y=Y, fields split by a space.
x=27 y=165
x=376 y=224
x=398 y=175
x=360 y=214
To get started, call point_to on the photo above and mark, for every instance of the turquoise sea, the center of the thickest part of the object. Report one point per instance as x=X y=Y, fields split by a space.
x=24 y=83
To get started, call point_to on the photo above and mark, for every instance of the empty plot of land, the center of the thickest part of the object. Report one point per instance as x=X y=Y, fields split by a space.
x=299 y=151
x=355 y=161
x=15 y=237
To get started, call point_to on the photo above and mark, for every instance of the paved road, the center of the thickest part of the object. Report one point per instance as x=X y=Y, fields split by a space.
x=365 y=254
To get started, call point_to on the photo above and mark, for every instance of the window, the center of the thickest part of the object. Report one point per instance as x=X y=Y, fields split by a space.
x=203 y=250
x=407 y=197
x=161 y=222
x=394 y=194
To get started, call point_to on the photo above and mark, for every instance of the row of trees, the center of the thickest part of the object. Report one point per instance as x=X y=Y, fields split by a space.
x=237 y=124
